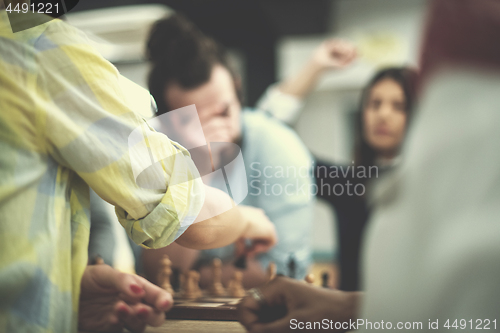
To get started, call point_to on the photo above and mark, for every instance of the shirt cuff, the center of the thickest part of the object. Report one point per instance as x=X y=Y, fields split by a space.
x=282 y=106
x=177 y=210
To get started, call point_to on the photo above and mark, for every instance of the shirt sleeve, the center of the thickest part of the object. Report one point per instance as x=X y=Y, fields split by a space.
x=280 y=174
x=282 y=106
x=92 y=125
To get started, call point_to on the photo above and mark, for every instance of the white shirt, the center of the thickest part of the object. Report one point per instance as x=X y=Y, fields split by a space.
x=432 y=248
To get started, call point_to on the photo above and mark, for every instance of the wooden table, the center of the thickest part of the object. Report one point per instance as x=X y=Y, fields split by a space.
x=197 y=326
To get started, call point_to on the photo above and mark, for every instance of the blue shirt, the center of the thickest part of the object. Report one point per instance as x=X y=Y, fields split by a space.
x=279 y=178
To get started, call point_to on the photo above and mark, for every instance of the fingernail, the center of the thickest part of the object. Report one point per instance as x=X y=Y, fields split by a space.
x=165 y=304
x=136 y=289
x=143 y=314
x=122 y=310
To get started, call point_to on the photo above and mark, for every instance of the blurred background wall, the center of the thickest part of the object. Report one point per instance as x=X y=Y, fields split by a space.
x=270 y=40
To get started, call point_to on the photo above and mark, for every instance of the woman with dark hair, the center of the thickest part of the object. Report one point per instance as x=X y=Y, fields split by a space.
x=383 y=116
x=432 y=249
x=371 y=146
x=385 y=111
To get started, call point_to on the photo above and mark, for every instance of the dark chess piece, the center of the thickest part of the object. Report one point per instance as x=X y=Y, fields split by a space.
x=176 y=279
x=292 y=267
x=241 y=262
x=325 y=279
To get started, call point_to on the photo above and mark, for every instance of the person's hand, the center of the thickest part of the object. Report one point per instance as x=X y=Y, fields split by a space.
x=331 y=54
x=111 y=300
x=260 y=230
x=217 y=132
x=217 y=129
x=286 y=300
x=221 y=127
x=334 y=54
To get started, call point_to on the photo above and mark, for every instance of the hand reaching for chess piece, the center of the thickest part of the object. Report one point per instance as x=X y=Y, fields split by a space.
x=216 y=227
x=284 y=299
x=261 y=231
x=111 y=300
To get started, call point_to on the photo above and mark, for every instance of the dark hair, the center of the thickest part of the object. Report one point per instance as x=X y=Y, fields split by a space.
x=406 y=77
x=179 y=52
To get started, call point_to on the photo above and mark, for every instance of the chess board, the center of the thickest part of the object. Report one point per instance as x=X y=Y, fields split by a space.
x=207 y=306
x=204 y=308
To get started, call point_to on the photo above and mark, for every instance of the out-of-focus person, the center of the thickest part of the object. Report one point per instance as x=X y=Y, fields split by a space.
x=383 y=116
x=431 y=254
x=188 y=68
x=67 y=125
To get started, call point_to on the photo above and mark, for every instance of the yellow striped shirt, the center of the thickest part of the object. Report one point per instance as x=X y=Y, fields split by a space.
x=67 y=124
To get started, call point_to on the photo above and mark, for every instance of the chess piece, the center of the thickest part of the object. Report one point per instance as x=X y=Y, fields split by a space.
x=241 y=262
x=217 y=289
x=164 y=273
x=196 y=280
x=190 y=285
x=325 y=279
x=241 y=254
x=176 y=279
x=235 y=286
x=309 y=278
x=292 y=267
x=182 y=283
x=271 y=271
x=98 y=260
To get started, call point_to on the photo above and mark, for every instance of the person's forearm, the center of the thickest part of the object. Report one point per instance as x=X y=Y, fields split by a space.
x=301 y=84
x=219 y=223
x=353 y=304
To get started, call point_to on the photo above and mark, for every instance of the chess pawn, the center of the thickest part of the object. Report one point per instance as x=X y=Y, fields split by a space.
x=164 y=273
x=99 y=260
x=309 y=278
x=271 y=271
x=235 y=286
x=190 y=285
x=217 y=289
